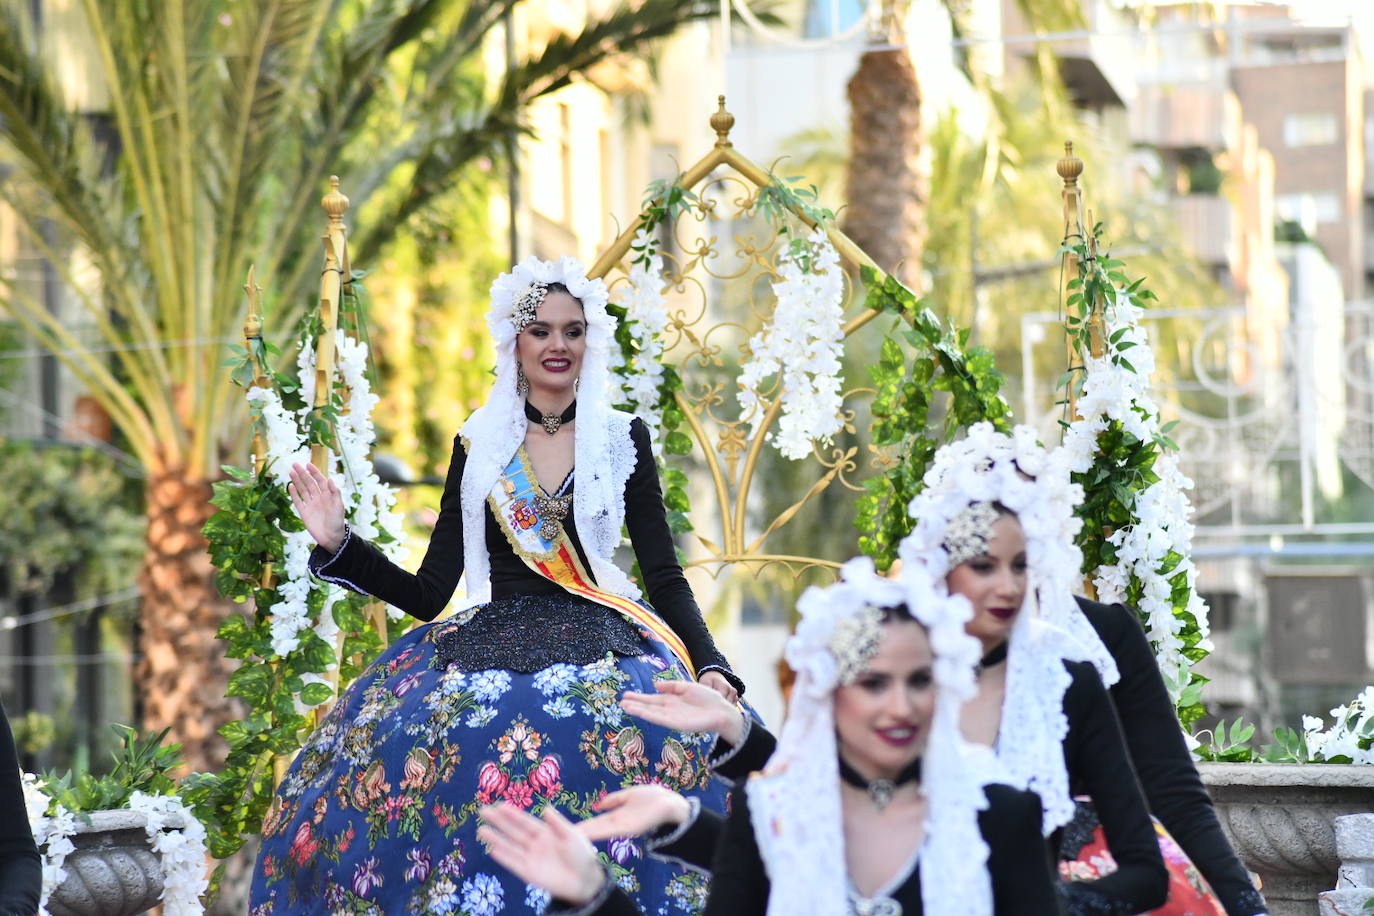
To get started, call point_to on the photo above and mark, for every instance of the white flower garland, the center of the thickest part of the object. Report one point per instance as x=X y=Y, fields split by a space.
x=1342 y=739
x=647 y=316
x=181 y=849
x=802 y=341
x=52 y=833
x=1162 y=511
x=369 y=502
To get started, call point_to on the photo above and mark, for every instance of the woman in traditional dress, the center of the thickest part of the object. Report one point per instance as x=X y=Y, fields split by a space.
x=872 y=805
x=515 y=698
x=995 y=524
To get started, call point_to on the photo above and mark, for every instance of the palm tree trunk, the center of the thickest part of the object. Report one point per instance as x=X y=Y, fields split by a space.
x=182 y=673
x=886 y=194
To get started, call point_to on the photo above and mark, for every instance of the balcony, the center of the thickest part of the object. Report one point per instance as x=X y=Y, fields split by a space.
x=1099 y=70
x=1204 y=221
x=1186 y=117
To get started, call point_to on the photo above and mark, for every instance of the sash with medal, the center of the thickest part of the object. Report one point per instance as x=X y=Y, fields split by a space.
x=522 y=511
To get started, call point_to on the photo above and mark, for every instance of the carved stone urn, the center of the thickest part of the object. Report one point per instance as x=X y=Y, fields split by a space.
x=1281 y=819
x=113 y=870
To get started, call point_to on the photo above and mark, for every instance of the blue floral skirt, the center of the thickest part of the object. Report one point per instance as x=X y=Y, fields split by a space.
x=378 y=812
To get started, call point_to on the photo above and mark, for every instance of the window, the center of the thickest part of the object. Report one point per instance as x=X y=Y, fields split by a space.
x=1310 y=129
x=1308 y=208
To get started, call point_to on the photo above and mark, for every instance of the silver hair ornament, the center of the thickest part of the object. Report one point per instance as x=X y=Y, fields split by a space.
x=526 y=308
x=968 y=532
x=855 y=641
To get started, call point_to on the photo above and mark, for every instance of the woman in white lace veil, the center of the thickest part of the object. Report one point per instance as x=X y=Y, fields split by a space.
x=515 y=696
x=796 y=803
x=995 y=523
x=870 y=778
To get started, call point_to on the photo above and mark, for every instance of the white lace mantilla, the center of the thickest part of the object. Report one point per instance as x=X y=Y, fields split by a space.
x=604 y=453
x=1017 y=472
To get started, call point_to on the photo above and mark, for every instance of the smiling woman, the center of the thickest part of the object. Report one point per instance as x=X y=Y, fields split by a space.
x=515 y=698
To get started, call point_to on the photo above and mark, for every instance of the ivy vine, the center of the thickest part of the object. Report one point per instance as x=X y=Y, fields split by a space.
x=1123 y=465
x=247 y=537
x=937 y=358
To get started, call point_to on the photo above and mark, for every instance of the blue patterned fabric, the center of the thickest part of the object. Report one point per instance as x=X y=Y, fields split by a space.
x=378 y=813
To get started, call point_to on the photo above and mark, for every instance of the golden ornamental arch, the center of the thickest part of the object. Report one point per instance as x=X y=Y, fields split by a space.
x=709 y=275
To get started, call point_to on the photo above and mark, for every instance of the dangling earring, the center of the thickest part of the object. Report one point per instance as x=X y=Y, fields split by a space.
x=522 y=384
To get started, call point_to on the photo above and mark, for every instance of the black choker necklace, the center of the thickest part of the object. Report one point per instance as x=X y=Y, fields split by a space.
x=551 y=422
x=994 y=656
x=881 y=790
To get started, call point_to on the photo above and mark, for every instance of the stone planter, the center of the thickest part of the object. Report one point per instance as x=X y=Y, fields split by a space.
x=1280 y=818
x=112 y=871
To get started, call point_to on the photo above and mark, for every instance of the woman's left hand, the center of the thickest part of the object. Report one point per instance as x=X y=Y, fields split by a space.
x=717 y=682
x=550 y=853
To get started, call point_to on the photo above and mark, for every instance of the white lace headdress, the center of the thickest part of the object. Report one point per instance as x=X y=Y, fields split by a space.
x=1016 y=471
x=604 y=453
x=795 y=804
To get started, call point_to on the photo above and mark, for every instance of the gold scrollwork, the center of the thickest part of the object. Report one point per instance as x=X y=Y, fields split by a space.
x=718 y=295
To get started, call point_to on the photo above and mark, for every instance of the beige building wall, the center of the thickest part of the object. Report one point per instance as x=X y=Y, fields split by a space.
x=1310 y=116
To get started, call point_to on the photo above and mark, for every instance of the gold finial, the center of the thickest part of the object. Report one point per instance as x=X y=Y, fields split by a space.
x=721 y=122
x=334 y=203
x=1070 y=167
x=253 y=326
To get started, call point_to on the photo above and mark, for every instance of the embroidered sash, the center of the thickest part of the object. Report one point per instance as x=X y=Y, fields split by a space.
x=512 y=502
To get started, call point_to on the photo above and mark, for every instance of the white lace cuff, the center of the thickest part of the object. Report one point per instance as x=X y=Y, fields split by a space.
x=319 y=571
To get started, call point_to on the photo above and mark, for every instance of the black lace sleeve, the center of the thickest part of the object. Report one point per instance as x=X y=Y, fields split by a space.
x=360 y=566
x=21 y=871
x=1099 y=765
x=664 y=584
x=1024 y=881
x=1172 y=786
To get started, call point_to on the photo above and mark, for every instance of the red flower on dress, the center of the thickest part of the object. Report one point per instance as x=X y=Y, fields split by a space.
x=520 y=794
x=304 y=846
x=546 y=776
x=491 y=783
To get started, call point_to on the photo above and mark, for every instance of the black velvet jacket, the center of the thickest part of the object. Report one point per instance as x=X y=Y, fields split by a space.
x=1018 y=863
x=1099 y=766
x=21 y=872
x=360 y=566
x=1172 y=787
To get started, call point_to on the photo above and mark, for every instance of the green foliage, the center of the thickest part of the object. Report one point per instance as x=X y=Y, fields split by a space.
x=141 y=764
x=64 y=517
x=1289 y=745
x=247 y=534
x=937 y=358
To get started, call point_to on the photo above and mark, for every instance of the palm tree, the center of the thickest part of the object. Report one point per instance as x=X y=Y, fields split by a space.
x=226 y=119
x=887 y=194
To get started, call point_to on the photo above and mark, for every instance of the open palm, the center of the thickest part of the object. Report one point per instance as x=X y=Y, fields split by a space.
x=319 y=504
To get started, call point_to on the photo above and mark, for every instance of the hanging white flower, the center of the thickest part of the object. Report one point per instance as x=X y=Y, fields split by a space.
x=369 y=502
x=801 y=344
x=647 y=317
x=1162 y=512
